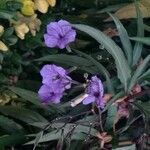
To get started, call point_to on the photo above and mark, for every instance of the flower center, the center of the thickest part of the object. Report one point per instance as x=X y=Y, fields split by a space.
x=96 y=94
x=56 y=77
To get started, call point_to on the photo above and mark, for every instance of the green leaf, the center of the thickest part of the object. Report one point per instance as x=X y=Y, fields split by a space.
x=121 y=62
x=111 y=115
x=140 y=33
x=9 y=125
x=145 y=106
x=25 y=115
x=55 y=135
x=144 y=40
x=8 y=32
x=27 y=95
x=124 y=39
x=79 y=132
x=13 y=5
x=12 y=140
x=6 y=14
x=145 y=75
x=147 y=28
x=12 y=40
x=101 y=70
x=138 y=73
x=70 y=60
x=131 y=147
x=37 y=139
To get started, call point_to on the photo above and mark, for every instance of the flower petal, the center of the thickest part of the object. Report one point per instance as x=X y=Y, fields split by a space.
x=88 y=100
x=54 y=29
x=45 y=93
x=50 y=41
x=70 y=36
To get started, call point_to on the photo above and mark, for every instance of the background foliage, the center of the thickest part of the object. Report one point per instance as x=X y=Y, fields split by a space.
x=115 y=50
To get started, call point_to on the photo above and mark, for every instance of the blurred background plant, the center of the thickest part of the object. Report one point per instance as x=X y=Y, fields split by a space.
x=119 y=55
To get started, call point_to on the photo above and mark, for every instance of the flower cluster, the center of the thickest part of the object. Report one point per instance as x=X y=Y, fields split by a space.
x=55 y=82
x=55 y=79
x=59 y=34
x=26 y=24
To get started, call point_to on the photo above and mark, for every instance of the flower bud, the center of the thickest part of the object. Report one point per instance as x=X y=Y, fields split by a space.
x=21 y=30
x=3 y=47
x=41 y=5
x=52 y=3
x=1 y=30
x=28 y=8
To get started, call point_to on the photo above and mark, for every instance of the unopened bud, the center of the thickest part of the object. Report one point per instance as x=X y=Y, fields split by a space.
x=52 y=3
x=21 y=30
x=41 y=5
x=1 y=30
x=3 y=47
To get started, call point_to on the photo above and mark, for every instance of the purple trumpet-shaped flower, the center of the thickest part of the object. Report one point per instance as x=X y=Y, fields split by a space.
x=95 y=92
x=55 y=76
x=59 y=34
x=48 y=94
x=55 y=82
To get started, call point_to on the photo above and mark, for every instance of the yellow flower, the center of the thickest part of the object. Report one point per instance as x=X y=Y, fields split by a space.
x=21 y=30
x=28 y=7
x=52 y=3
x=3 y=47
x=26 y=24
x=1 y=30
x=42 y=5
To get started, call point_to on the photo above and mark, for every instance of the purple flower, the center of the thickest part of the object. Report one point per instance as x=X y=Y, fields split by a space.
x=95 y=92
x=55 y=81
x=55 y=76
x=49 y=94
x=59 y=34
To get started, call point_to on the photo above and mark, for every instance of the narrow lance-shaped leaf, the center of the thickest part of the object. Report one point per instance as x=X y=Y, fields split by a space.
x=69 y=60
x=111 y=115
x=76 y=134
x=123 y=68
x=10 y=125
x=27 y=95
x=124 y=39
x=140 y=33
x=145 y=75
x=138 y=72
x=25 y=115
x=144 y=40
x=101 y=69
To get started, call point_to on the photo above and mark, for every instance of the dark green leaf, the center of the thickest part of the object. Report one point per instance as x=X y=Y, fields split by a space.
x=138 y=72
x=144 y=40
x=76 y=135
x=111 y=115
x=140 y=33
x=10 y=140
x=121 y=62
x=25 y=115
x=27 y=95
x=13 y=5
x=124 y=39
x=8 y=32
x=6 y=14
x=9 y=125
x=101 y=69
